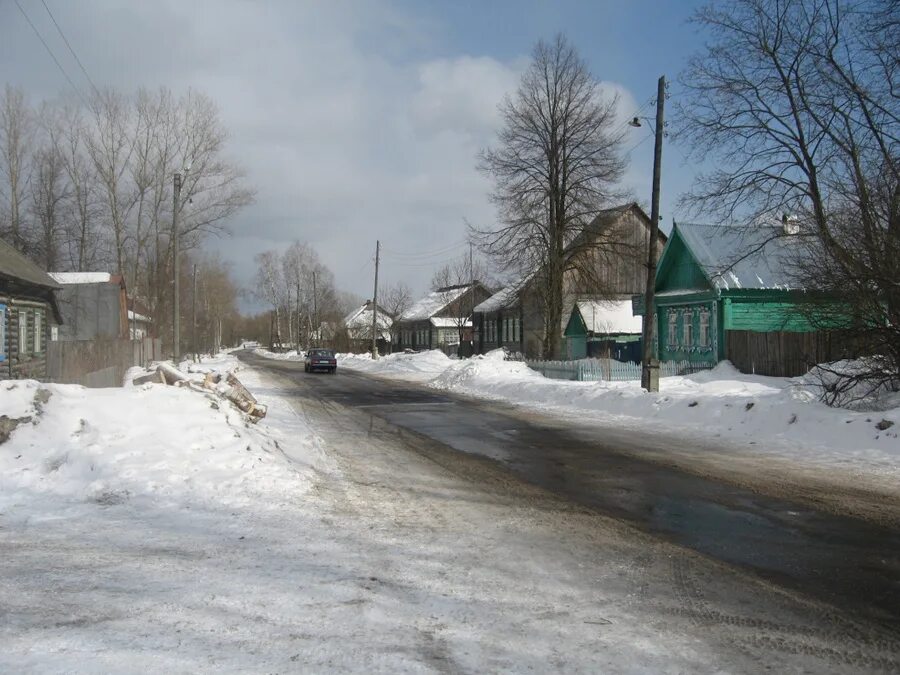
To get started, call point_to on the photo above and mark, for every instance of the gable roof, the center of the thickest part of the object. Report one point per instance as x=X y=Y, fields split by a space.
x=608 y=316
x=734 y=258
x=14 y=265
x=435 y=301
x=606 y=218
x=359 y=322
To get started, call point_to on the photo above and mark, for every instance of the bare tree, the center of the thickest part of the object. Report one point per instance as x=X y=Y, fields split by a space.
x=50 y=191
x=395 y=300
x=16 y=135
x=269 y=286
x=555 y=165
x=448 y=282
x=796 y=104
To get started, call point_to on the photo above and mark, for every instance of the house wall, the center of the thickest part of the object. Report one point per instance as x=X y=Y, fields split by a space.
x=22 y=361
x=690 y=331
x=765 y=315
x=91 y=311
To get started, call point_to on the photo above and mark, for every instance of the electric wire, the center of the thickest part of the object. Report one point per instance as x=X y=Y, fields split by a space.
x=66 y=40
x=52 y=55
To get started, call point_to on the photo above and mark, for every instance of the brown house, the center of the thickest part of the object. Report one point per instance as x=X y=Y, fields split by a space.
x=27 y=309
x=440 y=320
x=609 y=262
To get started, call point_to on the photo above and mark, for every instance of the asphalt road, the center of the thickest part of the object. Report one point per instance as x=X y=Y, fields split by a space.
x=850 y=565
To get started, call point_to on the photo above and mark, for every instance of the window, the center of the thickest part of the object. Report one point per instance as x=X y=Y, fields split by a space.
x=673 y=328
x=2 y=333
x=517 y=335
x=38 y=331
x=687 y=328
x=23 y=332
x=703 y=336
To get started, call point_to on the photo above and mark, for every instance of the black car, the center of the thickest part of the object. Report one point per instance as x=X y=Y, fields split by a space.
x=320 y=359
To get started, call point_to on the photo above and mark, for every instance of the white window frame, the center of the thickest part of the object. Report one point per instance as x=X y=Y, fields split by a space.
x=687 y=328
x=703 y=334
x=38 y=337
x=23 y=331
x=3 y=350
x=672 y=317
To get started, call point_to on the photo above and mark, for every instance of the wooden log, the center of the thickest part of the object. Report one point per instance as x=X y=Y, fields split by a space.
x=171 y=374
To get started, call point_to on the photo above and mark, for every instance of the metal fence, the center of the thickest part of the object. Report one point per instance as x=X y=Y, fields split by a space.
x=610 y=370
x=100 y=362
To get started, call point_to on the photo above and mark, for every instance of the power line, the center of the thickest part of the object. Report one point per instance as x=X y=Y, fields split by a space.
x=65 y=39
x=427 y=254
x=52 y=55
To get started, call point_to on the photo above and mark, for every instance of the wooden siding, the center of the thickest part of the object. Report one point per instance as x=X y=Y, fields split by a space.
x=677 y=349
x=786 y=354
x=762 y=316
x=678 y=270
x=22 y=362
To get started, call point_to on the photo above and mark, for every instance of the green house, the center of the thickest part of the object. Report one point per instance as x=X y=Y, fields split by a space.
x=603 y=328
x=718 y=285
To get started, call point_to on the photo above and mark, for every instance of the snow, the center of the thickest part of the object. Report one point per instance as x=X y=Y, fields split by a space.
x=746 y=414
x=134 y=316
x=290 y=355
x=609 y=316
x=432 y=303
x=81 y=277
x=449 y=322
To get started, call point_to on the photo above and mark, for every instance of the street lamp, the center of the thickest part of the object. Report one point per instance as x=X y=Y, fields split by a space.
x=649 y=364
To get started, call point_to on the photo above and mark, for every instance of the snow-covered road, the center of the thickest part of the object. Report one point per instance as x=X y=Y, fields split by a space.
x=364 y=547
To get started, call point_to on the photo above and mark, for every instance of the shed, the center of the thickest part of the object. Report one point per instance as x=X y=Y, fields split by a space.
x=93 y=305
x=28 y=306
x=603 y=328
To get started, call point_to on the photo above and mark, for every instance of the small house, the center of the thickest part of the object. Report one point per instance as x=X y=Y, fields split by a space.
x=440 y=320
x=93 y=304
x=604 y=329
x=358 y=324
x=499 y=321
x=28 y=308
x=732 y=293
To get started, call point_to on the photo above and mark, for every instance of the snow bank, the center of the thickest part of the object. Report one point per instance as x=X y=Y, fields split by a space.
x=766 y=415
x=168 y=443
x=291 y=355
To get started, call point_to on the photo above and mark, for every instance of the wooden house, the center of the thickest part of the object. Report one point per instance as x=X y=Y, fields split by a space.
x=608 y=262
x=441 y=319
x=27 y=310
x=94 y=306
x=732 y=293
x=604 y=329
x=358 y=325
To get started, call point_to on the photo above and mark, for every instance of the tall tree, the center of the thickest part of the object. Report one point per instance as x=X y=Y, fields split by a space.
x=16 y=136
x=796 y=105
x=555 y=165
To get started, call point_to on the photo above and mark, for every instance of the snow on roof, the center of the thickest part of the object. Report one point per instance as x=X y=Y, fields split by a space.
x=81 y=277
x=609 y=316
x=499 y=300
x=132 y=316
x=362 y=316
x=759 y=257
x=433 y=303
x=448 y=322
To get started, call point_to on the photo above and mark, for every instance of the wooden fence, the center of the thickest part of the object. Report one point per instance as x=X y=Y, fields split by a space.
x=98 y=363
x=609 y=370
x=783 y=354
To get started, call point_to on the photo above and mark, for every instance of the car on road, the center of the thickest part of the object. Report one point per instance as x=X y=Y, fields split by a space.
x=320 y=359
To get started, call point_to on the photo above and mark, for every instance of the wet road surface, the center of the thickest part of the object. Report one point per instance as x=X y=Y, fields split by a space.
x=847 y=563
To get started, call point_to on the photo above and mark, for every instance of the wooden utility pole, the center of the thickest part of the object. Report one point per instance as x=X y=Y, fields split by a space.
x=375 y=304
x=315 y=312
x=194 y=312
x=471 y=304
x=649 y=365
x=176 y=262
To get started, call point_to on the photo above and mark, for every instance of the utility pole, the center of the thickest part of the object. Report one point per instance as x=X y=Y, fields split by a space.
x=471 y=304
x=194 y=312
x=375 y=304
x=176 y=286
x=315 y=312
x=649 y=364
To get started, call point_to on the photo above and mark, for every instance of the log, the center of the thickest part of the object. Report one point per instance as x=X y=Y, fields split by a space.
x=171 y=374
x=237 y=393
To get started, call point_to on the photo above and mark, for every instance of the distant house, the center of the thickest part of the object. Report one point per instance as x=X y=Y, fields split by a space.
x=731 y=293
x=609 y=262
x=440 y=319
x=28 y=308
x=93 y=305
x=604 y=328
x=359 y=328
x=140 y=321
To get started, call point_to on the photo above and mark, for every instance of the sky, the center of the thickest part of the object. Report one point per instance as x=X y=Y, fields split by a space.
x=360 y=121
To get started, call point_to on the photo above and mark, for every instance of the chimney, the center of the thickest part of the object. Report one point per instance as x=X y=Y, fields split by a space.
x=790 y=224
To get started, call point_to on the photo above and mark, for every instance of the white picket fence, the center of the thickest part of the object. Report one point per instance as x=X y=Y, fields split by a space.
x=609 y=370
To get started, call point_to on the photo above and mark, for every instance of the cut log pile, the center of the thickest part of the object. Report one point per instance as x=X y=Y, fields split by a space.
x=213 y=384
